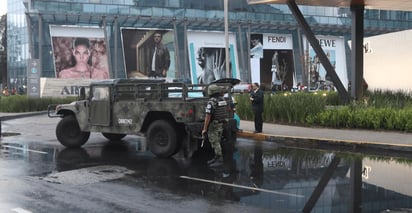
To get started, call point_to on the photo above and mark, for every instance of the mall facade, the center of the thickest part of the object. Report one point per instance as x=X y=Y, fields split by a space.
x=264 y=42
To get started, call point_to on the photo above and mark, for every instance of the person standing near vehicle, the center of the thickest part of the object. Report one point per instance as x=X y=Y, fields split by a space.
x=159 y=58
x=6 y=91
x=215 y=110
x=256 y=97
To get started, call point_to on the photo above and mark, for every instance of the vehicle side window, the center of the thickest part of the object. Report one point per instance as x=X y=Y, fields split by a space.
x=100 y=93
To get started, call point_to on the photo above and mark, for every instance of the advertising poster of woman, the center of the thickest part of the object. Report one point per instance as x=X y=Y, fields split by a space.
x=79 y=53
x=277 y=69
x=274 y=68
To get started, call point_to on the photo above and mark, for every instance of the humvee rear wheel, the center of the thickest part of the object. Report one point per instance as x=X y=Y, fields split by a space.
x=69 y=134
x=113 y=136
x=161 y=137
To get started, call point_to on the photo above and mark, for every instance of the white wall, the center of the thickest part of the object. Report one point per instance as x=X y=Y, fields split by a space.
x=388 y=61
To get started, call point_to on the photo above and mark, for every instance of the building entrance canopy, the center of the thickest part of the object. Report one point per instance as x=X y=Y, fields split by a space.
x=403 y=5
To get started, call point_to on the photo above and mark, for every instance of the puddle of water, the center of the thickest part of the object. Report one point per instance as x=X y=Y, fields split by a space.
x=264 y=176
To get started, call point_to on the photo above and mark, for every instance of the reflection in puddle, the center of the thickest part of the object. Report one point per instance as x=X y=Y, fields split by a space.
x=27 y=152
x=266 y=176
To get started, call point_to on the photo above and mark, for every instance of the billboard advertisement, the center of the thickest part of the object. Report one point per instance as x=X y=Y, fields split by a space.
x=149 y=53
x=334 y=48
x=79 y=52
x=271 y=59
x=207 y=56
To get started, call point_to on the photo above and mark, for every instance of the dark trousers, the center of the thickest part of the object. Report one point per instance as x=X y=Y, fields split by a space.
x=258 y=121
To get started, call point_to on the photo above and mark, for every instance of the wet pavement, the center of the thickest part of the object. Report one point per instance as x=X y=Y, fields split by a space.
x=311 y=136
x=277 y=175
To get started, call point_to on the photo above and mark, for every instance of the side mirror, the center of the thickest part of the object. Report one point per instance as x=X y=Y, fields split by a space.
x=82 y=93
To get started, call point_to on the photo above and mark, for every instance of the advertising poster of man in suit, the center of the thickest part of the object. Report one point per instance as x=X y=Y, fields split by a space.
x=149 y=53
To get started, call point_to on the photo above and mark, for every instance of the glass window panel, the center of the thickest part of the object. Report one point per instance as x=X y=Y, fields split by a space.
x=107 y=1
x=129 y=2
x=112 y=9
x=88 y=8
x=100 y=8
x=39 y=5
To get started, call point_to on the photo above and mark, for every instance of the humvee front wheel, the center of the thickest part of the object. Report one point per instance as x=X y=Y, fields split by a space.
x=113 y=136
x=69 y=134
x=161 y=137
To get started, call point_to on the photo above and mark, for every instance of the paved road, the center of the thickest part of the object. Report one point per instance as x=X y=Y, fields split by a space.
x=40 y=175
x=314 y=136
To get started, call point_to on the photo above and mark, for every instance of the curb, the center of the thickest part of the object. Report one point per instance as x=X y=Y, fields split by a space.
x=11 y=116
x=325 y=143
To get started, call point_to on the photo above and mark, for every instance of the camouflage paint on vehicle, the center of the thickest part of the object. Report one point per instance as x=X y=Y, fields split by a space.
x=130 y=106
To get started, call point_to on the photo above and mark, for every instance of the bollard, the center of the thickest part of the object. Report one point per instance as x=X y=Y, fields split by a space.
x=1 y=134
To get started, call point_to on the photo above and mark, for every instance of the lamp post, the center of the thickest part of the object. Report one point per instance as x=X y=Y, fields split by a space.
x=226 y=38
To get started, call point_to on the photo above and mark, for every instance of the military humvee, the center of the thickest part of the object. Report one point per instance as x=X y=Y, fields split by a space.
x=170 y=115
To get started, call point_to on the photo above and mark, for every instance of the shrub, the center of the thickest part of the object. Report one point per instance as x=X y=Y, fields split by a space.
x=283 y=107
x=21 y=103
x=378 y=110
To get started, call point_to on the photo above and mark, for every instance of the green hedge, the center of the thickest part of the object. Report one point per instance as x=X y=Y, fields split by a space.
x=21 y=103
x=379 y=110
x=286 y=107
x=365 y=118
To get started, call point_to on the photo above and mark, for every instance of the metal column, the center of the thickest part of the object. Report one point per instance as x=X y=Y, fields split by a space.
x=242 y=50
x=116 y=35
x=40 y=45
x=249 y=66
x=185 y=52
x=30 y=35
x=357 y=51
x=178 y=73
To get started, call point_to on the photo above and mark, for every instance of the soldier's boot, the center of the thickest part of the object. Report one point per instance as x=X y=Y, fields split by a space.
x=218 y=161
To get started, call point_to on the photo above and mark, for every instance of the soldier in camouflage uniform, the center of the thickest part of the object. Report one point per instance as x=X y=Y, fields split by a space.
x=212 y=126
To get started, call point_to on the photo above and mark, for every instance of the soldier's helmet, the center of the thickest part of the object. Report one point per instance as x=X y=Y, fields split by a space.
x=213 y=89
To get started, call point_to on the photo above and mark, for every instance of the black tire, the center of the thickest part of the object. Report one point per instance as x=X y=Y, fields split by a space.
x=69 y=134
x=161 y=137
x=113 y=136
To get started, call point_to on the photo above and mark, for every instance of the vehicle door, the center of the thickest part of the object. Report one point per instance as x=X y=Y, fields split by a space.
x=99 y=113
